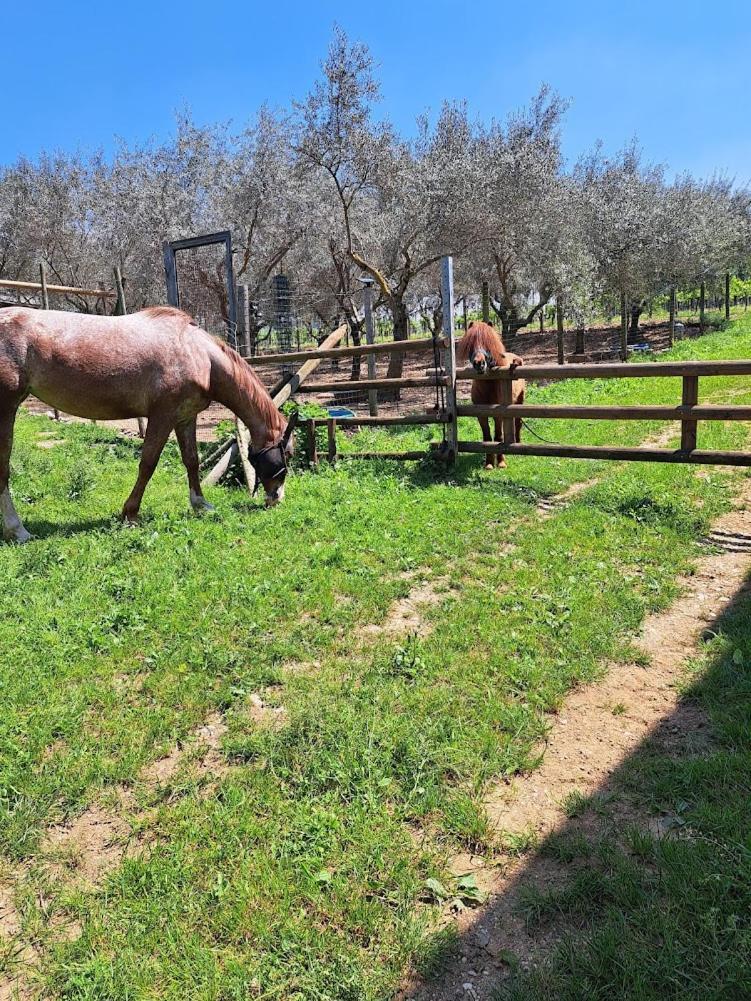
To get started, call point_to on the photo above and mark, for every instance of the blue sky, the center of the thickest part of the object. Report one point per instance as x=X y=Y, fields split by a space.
x=677 y=75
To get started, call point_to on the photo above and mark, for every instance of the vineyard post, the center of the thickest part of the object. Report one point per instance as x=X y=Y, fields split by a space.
x=449 y=354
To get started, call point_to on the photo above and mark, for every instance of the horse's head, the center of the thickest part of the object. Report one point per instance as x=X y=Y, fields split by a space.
x=482 y=348
x=271 y=463
x=481 y=360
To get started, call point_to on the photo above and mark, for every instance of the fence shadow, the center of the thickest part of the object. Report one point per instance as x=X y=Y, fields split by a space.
x=645 y=890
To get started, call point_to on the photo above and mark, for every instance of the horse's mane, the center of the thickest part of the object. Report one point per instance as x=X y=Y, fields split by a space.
x=168 y=312
x=481 y=336
x=244 y=375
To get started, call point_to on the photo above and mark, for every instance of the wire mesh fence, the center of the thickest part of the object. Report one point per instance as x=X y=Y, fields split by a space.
x=288 y=318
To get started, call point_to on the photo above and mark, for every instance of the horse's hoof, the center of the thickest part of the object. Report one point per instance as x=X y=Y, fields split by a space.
x=19 y=536
x=201 y=506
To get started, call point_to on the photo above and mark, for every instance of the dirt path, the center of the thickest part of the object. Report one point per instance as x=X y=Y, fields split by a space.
x=597 y=729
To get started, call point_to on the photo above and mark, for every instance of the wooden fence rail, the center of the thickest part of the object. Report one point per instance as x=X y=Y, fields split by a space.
x=644 y=454
x=96 y=293
x=354 y=385
x=617 y=370
x=353 y=351
x=681 y=413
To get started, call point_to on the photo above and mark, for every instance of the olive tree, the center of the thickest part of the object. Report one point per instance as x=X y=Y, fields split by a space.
x=403 y=204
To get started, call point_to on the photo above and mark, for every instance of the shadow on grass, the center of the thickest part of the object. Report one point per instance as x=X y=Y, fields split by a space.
x=40 y=528
x=645 y=891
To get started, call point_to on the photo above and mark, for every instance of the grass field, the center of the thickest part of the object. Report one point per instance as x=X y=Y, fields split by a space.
x=296 y=871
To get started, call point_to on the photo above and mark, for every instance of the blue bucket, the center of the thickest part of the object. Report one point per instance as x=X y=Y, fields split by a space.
x=340 y=412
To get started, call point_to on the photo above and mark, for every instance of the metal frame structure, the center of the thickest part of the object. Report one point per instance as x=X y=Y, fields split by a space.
x=173 y=247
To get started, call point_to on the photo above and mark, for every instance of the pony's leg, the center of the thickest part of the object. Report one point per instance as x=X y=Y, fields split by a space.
x=13 y=529
x=186 y=439
x=518 y=421
x=486 y=436
x=157 y=432
x=499 y=437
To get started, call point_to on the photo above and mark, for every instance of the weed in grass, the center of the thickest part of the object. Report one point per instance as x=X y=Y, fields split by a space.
x=575 y=803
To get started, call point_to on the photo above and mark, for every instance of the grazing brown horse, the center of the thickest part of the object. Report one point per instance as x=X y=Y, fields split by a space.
x=483 y=348
x=157 y=364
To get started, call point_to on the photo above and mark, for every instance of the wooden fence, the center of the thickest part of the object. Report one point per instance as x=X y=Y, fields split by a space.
x=689 y=412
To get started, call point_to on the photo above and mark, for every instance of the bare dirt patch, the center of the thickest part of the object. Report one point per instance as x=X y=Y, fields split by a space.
x=89 y=846
x=598 y=727
x=549 y=505
x=263 y=714
x=406 y=615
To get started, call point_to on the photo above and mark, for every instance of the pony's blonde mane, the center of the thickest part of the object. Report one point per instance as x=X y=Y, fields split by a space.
x=481 y=336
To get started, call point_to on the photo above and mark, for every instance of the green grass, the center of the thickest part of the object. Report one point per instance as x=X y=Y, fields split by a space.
x=657 y=918
x=297 y=874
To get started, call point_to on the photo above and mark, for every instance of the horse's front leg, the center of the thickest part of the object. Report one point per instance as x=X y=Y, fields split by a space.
x=186 y=439
x=13 y=528
x=499 y=437
x=157 y=432
x=486 y=436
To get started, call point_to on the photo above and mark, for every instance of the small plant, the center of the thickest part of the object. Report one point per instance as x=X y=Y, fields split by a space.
x=80 y=483
x=407 y=661
x=575 y=803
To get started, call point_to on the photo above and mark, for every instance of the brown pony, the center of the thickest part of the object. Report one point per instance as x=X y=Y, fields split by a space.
x=483 y=348
x=157 y=364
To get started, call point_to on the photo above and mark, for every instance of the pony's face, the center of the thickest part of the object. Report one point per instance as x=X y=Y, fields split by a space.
x=481 y=361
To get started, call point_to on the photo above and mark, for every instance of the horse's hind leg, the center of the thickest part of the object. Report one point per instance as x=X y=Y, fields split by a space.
x=157 y=432
x=13 y=529
x=186 y=439
x=486 y=436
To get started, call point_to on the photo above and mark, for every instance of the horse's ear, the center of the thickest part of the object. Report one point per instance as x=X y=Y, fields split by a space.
x=290 y=427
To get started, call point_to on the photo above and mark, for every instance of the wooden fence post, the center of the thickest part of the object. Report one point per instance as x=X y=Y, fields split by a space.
x=46 y=305
x=311 y=439
x=559 y=330
x=507 y=397
x=449 y=354
x=243 y=320
x=122 y=309
x=690 y=399
x=370 y=339
x=331 y=432
x=624 y=328
x=727 y=295
x=671 y=330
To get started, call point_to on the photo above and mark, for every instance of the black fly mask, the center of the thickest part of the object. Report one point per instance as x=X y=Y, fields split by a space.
x=271 y=462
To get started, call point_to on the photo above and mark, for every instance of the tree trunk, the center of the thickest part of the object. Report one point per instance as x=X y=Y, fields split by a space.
x=702 y=304
x=485 y=302
x=636 y=310
x=624 y=329
x=508 y=330
x=559 y=330
x=400 y=316
x=580 y=347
